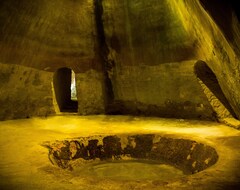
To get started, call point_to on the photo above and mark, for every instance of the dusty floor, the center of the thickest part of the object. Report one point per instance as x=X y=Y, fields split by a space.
x=24 y=161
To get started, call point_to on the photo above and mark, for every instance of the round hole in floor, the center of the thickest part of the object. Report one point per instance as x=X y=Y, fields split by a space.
x=131 y=157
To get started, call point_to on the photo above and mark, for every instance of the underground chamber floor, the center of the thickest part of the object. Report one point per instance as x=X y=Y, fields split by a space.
x=118 y=152
x=129 y=170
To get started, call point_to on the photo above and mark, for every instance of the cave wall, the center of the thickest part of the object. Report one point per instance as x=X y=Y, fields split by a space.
x=90 y=92
x=150 y=61
x=24 y=92
x=48 y=34
x=216 y=44
x=36 y=39
x=167 y=90
x=27 y=92
x=145 y=32
x=130 y=57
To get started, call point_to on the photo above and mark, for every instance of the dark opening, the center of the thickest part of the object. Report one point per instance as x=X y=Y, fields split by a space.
x=206 y=75
x=65 y=90
x=221 y=11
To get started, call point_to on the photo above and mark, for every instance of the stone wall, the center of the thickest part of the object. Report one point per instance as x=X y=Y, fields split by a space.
x=214 y=45
x=48 y=34
x=36 y=39
x=150 y=61
x=90 y=93
x=130 y=57
x=24 y=92
x=169 y=90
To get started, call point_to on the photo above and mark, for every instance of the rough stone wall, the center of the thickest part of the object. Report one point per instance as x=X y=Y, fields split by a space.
x=24 y=92
x=150 y=61
x=90 y=93
x=169 y=90
x=213 y=92
x=45 y=35
x=213 y=46
x=145 y=32
x=48 y=34
x=136 y=57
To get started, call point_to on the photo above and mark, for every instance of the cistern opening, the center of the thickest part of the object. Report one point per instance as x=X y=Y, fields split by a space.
x=131 y=157
x=65 y=90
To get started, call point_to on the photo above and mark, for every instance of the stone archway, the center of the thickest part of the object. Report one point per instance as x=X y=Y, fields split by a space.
x=65 y=90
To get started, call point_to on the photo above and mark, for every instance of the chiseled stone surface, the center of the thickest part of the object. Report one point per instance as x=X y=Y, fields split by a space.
x=48 y=34
x=24 y=92
x=150 y=61
x=214 y=45
x=130 y=57
x=90 y=92
x=167 y=90
x=36 y=39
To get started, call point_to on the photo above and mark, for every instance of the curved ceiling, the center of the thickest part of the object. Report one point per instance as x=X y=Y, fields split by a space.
x=47 y=34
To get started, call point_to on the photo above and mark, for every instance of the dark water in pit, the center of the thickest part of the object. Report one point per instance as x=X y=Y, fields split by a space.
x=130 y=170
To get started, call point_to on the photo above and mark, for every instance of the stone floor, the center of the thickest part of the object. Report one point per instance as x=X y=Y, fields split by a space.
x=24 y=163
